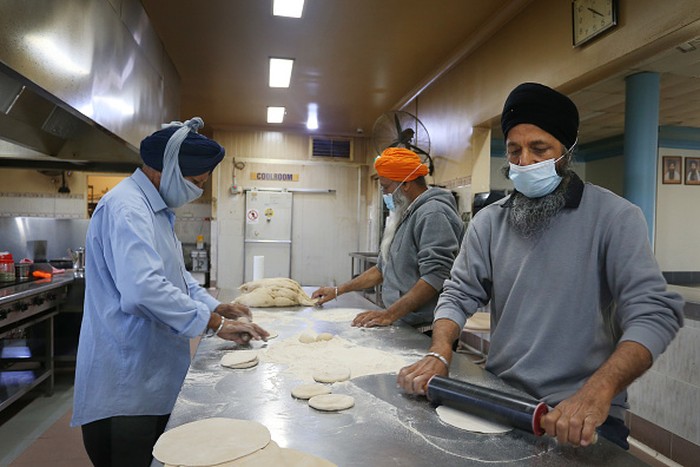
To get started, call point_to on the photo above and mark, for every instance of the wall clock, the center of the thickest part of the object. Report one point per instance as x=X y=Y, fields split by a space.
x=591 y=18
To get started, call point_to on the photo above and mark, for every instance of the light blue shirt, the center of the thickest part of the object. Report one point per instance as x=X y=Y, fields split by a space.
x=141 y=308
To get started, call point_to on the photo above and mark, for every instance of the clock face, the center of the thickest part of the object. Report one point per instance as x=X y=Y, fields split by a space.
x=592 y=17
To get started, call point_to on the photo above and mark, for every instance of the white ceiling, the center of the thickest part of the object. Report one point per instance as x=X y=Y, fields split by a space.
x=357 y=59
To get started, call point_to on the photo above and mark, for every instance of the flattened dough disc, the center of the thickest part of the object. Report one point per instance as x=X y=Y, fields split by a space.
x=307 y=391
x=294 y=458
x=332 y=374
x=239 y=357
x=332 y=402
x=468 y=421
x=210 y=441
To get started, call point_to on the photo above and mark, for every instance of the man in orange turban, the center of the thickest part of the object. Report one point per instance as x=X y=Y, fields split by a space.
x=420 y=243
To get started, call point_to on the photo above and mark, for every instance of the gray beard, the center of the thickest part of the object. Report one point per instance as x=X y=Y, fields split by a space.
x=392 y=224
x=531 y=216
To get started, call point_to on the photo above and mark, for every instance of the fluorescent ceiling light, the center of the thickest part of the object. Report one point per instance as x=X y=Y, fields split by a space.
x=275 y=114
x=288 y=8
x=312 y=120
x=280 y=72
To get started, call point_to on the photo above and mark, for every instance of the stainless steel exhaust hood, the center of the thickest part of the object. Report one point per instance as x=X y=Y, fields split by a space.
x=81 y=83
x=49 y=134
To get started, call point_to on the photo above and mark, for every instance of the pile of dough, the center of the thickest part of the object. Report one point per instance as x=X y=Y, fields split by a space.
x=273 y=292
x=308 y=337
x=240 y=359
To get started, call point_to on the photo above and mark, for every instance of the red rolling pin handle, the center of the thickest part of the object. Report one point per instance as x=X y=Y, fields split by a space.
x=491 y=404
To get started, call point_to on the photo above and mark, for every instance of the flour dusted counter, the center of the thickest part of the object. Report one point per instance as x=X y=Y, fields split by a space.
x=385 y=427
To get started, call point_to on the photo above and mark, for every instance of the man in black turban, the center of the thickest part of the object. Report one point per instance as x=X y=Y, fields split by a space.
x=141 y=306
x=579 y=307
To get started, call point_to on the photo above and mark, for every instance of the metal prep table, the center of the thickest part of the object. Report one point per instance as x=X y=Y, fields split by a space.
x=385 y=427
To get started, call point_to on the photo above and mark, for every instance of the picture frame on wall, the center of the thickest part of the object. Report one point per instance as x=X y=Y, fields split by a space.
x=671 y=167
x=692 y=171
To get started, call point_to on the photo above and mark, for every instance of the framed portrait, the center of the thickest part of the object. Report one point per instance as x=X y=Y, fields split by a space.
x=672 y=170
x=692 y=171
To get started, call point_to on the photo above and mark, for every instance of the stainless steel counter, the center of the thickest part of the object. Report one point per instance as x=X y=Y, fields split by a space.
x=385 y=427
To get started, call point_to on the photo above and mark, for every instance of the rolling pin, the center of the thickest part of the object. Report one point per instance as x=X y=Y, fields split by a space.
x=490 y=404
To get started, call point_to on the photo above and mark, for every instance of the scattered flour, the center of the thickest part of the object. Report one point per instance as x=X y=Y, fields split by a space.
x=303 y=360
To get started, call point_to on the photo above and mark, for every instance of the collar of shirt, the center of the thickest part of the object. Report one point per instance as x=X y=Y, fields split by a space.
x=151 y=192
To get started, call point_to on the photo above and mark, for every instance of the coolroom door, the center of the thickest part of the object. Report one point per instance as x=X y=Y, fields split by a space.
x=268 y=232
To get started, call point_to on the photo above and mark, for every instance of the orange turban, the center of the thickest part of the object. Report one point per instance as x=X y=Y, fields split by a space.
x=400 y=165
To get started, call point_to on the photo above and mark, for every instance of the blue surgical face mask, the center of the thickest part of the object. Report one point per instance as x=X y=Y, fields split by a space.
x=535 y=180
x=178 y=191
x=389 y=199
x=175 y=190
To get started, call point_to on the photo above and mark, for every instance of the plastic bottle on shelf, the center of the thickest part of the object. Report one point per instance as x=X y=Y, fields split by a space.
x=7 y=267
x=200 y=242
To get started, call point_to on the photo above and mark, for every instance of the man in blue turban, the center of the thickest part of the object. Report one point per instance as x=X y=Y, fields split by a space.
x=141 y=306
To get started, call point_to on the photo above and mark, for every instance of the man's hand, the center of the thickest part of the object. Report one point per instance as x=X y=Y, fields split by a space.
x=370 y=319
x=324 y=294
x=242 y=332
x=414 y=378
x=233 y=310
x=574 y=420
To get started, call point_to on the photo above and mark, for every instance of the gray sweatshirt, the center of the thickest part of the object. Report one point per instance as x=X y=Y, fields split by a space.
x=560 y=303
x=424 y=247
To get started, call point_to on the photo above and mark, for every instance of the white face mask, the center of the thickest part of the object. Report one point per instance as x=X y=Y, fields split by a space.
x=535 y=180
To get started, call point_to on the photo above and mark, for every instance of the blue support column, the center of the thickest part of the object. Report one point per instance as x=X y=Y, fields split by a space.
x=641 y=143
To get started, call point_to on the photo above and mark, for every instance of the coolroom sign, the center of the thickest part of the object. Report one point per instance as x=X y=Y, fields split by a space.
x=274 y=176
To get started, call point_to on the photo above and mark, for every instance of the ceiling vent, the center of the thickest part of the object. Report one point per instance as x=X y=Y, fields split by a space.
x=336 y=148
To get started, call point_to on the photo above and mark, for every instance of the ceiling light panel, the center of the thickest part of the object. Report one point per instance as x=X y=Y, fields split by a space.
x=280 y=72
x=288 y=8
x=275 y=114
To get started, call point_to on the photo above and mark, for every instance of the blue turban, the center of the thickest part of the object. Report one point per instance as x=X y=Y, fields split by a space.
x=198 y=154
x=543 y=107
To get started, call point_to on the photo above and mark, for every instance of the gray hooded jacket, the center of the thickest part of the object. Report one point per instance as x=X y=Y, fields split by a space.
x=425 y=245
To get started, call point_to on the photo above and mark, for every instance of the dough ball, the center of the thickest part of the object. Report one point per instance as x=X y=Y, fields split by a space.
x=307 y=391
x=307 y=337
x=332 y=374
x=324 y=336
x=332 y=402
x=240 y=359
x=208 y=442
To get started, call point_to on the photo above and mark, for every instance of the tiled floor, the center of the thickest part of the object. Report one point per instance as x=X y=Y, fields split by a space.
x=35 y=431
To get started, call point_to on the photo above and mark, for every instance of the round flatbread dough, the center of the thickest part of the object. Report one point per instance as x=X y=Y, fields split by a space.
x=210 y=441
x=332 y=374
x=307 y=391
x=294 y=458
x=270 y=455
x=240 y=358
x=324 y=336
x=469 y=422
x=332 y=402
x=307 y=337
x=244 y=365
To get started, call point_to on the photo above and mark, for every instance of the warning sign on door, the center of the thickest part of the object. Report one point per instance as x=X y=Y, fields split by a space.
x=252 y=216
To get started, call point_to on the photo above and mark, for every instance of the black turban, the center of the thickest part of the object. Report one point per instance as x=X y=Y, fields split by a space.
x=198 y=154
x=544 y=107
